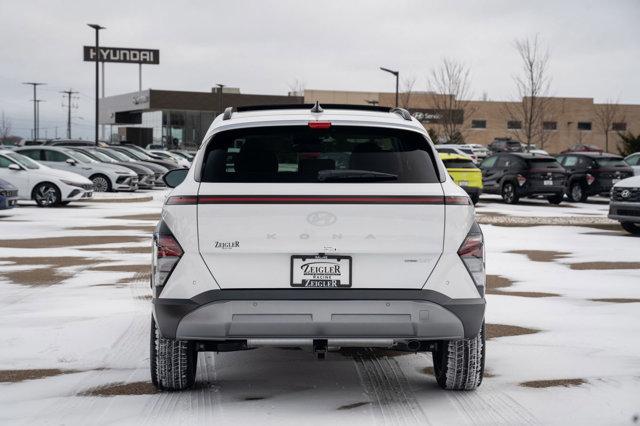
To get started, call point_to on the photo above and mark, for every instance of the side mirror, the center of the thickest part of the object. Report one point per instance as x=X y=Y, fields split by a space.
x=175 y=177
x=14 y=166
x=71 y=161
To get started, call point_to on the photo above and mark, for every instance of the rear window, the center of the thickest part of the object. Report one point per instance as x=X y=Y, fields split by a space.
x=459 y=164
x=544 y=163
x=300 y=154
x=611 y=162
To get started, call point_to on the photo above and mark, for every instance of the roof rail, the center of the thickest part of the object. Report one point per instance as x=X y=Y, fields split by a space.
x=309 y=106
x=402 y=113
x=227 y=113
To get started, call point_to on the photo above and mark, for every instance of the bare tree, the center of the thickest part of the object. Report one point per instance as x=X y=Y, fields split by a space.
x=296 y=88
x=5 y=128
x=606 y=114
x=450 y=93
x=406 y=92
x=533 y=85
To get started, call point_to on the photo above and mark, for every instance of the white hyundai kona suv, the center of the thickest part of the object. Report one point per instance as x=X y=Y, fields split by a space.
x=324 y=227
x=46 y=186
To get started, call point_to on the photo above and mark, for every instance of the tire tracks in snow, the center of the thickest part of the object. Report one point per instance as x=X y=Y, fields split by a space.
x=388 y=388
x=489 y=406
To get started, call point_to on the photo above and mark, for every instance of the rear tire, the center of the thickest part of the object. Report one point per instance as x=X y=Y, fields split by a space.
x=173 y=362
x=459 y=364
x=630 y=227
x=556 y=199
x=509 y=194
x=577 y=194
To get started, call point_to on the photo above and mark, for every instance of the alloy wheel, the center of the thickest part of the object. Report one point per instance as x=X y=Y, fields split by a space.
x=576 y=192
x=508 y=193
x=46 y=195
x=100 y=184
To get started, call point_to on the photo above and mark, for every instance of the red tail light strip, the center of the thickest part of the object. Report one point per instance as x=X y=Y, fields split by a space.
x=458 y=201
x=317 y=199
x=182 y=199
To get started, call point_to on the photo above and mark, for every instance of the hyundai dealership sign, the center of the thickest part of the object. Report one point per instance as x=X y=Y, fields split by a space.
x=123 y=55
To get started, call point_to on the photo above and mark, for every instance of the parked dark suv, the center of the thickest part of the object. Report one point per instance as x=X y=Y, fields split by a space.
x=505 y=145
x=518 y=174
x=592 y=173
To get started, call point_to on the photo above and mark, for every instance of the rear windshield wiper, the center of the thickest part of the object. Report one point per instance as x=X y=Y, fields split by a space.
x=355 y=176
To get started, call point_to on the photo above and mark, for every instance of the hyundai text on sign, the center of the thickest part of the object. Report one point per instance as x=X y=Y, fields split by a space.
x=123 y=55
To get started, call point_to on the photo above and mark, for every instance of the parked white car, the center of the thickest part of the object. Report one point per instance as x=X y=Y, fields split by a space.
x=480 y=151
x=105 y=177
x=458 y=149
x=634 y=161
x=182 y=162
x=46 y=186
x=317 y=227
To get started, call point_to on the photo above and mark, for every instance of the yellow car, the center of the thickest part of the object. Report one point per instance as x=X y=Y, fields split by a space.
x=464 y=173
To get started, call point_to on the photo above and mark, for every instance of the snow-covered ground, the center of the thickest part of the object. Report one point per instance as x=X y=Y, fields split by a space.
x=84 y=340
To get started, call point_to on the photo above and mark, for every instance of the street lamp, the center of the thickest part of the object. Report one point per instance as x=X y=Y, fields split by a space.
x=397 y=74
x=97 y=28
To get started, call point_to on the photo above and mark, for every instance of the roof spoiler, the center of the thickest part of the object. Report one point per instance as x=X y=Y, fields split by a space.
x=316 y=108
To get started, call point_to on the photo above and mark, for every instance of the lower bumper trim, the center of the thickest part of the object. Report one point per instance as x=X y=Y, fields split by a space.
x=319 y=313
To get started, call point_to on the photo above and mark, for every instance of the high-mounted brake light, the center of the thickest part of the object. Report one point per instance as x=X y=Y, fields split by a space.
x=590 y=179
x=166 y=254
x=319 y=124
x=472 y=254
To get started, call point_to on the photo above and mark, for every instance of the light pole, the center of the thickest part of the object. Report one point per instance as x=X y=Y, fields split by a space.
x=397 y=74
x=35 y=109
x=97 y=28
x=37 y=102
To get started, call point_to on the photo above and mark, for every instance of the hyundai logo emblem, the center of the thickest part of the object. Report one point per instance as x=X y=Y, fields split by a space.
x=626 y=193
x=321 y=218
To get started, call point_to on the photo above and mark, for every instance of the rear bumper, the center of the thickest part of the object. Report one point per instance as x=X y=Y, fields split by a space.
x=319 y=314
x=528 y=189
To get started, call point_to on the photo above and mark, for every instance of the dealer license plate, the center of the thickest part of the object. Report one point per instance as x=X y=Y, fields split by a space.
x=548 y=182
x=320 y=271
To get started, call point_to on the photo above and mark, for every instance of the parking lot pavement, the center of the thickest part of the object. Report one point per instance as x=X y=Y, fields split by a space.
x=563 y=319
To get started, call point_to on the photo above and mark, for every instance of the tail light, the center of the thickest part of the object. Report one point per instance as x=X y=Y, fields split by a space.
x=472 y=254
x=166 y=254
x=521 y=180
x=590 y=179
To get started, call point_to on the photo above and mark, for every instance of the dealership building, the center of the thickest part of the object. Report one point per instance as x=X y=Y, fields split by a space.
x=172 y=117
x=169 y=117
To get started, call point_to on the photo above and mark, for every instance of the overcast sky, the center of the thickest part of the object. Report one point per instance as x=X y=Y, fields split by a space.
x=263 y=46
